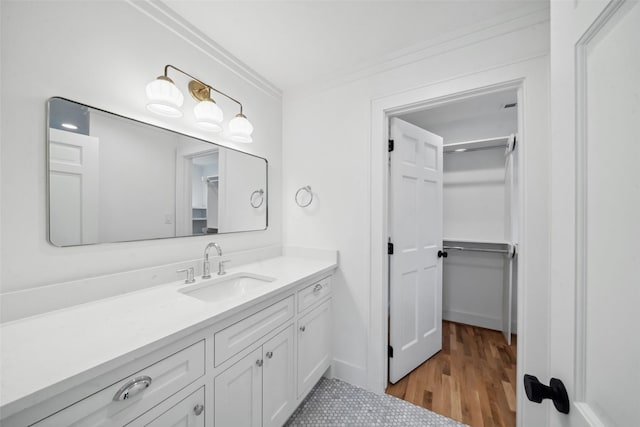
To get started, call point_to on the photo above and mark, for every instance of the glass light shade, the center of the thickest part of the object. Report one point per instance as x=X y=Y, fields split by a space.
x=164 y=97
x=208 y=115
x=240 y=129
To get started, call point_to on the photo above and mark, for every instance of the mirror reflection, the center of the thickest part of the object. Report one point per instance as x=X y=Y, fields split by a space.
x=114 y=179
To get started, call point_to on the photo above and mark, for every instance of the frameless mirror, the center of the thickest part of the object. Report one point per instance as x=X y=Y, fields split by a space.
x=115 y=179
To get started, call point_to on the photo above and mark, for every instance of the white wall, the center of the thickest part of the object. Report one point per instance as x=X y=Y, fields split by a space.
x=474 y=208
x=474 y=195
x=103 y=54
x=240 y=176
x=326 y=145
x=472 y=286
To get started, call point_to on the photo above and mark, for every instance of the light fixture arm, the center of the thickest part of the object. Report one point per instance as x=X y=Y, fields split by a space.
x=166 y=74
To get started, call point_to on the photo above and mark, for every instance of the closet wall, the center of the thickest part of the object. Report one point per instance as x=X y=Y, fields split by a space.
x=476 y=206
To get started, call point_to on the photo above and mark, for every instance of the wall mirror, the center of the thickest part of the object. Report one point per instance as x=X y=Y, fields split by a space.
x=115 y=179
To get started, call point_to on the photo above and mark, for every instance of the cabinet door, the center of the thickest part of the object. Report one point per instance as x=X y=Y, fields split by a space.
x=277 y=379
x=189 y=412
x=238 y=393
x=314 y=346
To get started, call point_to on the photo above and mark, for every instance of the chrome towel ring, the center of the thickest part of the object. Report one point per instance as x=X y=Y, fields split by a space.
x=305 y=189
x=256 y=202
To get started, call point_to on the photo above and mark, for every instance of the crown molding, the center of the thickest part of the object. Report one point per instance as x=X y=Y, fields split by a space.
x=499 y=26
x=168 y=18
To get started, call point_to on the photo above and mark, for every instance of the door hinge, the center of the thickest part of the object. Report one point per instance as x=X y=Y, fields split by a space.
x=390 y=248
x=390 y=351
x=390 y=145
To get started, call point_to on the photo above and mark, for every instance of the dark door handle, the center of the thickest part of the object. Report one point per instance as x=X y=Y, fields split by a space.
x=537 y=392
x=442 y=254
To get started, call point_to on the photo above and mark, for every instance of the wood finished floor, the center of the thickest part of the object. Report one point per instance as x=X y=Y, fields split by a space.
x=472 y=380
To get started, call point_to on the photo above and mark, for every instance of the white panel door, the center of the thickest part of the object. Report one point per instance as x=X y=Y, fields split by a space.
x=277 y=379
x=238 y=393
x=415 y=271
x=73 y=188
x=595 y=350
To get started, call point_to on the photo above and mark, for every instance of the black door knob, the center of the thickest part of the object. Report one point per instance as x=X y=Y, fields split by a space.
x=442 y=254
x=537 y=392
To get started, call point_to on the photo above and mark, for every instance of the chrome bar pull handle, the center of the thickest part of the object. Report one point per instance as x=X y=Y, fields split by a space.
x=132 y=388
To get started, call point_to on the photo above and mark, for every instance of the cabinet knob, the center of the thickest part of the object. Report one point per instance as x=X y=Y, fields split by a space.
x=269 y=354
x=303 y=328
x=198 y=409
x=317 y=288
x=259 y=363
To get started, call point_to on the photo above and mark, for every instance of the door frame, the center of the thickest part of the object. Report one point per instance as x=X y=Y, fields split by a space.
x=530 y=78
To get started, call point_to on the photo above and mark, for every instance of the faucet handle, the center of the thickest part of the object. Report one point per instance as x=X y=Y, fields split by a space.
x=190 y=274
x=221 y=270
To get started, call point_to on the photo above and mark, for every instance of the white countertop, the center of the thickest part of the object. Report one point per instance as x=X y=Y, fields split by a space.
x=42 y=354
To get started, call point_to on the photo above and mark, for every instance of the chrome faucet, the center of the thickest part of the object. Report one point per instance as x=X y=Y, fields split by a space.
x=206 y=268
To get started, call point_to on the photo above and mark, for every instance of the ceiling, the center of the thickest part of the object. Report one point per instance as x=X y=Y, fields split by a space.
x=478 y=117
x=297 y=43
x=473 y=108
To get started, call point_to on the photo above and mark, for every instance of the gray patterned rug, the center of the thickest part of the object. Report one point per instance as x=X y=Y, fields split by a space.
x=336 y=403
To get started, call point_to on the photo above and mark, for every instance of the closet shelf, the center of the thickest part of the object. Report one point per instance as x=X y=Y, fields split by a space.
x=477 y=241
x=477 y=144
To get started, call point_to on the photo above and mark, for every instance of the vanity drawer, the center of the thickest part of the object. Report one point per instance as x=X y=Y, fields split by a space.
x=240 y=335
x=167 y=376
x=314 y=293
x=188 y=412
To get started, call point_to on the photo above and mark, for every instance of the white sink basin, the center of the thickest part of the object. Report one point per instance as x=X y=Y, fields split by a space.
x=227 y=287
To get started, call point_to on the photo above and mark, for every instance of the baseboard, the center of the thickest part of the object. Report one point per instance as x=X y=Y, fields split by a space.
x=348 y=372
x=474 y=319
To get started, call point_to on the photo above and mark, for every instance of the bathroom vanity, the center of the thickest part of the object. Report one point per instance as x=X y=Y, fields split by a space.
x=241 y=349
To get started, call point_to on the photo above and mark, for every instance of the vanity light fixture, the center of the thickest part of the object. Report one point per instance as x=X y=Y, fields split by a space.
x=166 y=99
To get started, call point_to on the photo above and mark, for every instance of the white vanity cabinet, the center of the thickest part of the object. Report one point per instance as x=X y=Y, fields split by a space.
x=251 y=365
x=258 y=390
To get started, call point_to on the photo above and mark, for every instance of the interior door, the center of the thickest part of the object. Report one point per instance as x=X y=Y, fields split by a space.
x=73 y=188
x=415 y=270
x=595 y=71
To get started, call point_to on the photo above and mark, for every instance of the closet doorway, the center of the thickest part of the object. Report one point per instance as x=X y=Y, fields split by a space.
x=453 y=237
